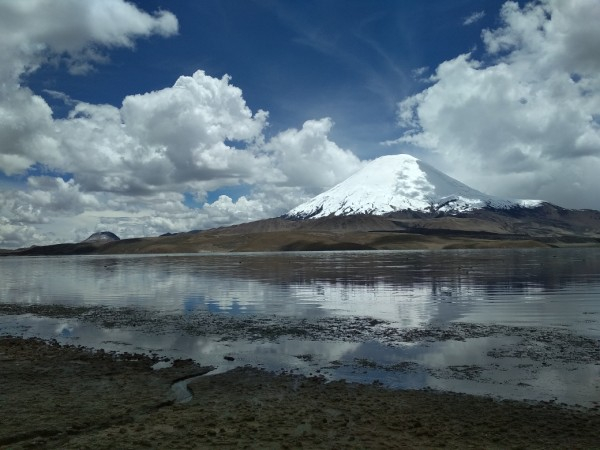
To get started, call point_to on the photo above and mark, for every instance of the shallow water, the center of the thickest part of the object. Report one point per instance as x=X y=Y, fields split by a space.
x=552 y=293
x=512 y=287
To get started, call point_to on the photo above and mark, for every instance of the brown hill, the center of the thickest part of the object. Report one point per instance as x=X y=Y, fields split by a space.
x=544 y=226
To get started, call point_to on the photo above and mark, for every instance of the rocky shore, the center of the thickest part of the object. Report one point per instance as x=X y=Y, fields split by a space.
x=72 y=397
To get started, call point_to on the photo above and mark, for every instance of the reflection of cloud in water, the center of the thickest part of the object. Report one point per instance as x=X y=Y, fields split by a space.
x=408 y=306
x=64 y=330
x=464 y=366
x=217 y=294
x=541 y=287
x=471 y=351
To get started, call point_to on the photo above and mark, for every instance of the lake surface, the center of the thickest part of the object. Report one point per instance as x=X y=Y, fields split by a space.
x=517 y=296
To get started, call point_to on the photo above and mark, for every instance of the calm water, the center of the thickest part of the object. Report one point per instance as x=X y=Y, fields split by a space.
x=554 y=289
x=558 y=288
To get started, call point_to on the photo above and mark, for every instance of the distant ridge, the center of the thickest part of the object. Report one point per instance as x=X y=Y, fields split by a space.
x=542 y=226
x=400 y=183
x=393 y=203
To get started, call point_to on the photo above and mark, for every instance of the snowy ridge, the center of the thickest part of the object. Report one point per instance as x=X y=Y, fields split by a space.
x=397 y=183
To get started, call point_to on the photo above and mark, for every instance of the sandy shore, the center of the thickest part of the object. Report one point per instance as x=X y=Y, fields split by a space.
x=55 y=396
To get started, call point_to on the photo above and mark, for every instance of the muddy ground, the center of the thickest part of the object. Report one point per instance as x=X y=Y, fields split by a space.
x=55 y=396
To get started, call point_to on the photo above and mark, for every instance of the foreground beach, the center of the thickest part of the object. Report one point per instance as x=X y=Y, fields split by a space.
x=72 y=397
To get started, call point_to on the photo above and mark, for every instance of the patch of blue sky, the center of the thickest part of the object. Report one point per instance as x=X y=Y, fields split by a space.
x=36 y=170
x=41 y=170
x=234 y=192
x=296 y=60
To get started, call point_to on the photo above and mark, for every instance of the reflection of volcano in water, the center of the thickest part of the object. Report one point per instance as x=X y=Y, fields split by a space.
x=500 y=322
x=410 y=288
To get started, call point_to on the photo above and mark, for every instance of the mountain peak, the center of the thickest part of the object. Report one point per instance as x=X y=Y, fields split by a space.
x=399 y=183
x=102 y=236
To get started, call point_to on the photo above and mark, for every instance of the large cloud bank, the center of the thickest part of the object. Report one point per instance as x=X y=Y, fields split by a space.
x=146 y=167
x=518 y=118
x=524 y=119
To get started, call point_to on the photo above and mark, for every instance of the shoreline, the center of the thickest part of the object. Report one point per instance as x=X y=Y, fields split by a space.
x=501 y=361
x=72 y=397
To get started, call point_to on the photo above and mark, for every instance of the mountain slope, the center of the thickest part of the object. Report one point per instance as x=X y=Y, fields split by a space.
x=542 y=226
x=393 y=203
x=399 y=183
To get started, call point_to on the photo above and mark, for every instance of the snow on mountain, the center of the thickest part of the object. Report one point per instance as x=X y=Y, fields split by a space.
x=396 y=183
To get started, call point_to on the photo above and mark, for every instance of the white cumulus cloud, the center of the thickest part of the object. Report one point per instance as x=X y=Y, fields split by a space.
x=524 y=120
x=35 y=32
x=308 y=158
x=474 y=18
x=163 y=140
x=129 y=167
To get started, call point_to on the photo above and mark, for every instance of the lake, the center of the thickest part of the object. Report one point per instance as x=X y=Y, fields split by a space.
x=519 y=324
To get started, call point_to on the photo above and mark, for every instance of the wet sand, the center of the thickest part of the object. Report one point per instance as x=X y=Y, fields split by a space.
x=55 y=396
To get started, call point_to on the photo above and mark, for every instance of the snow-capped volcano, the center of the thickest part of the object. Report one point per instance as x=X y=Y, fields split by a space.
x=398 y=183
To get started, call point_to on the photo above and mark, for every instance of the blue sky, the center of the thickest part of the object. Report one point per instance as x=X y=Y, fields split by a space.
x=352 y=61
x=161 y=116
